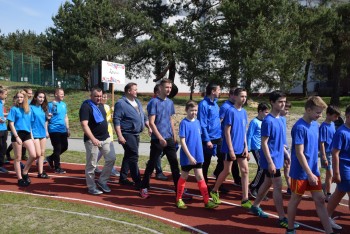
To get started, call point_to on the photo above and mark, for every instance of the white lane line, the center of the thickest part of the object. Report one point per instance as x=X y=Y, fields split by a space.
x=87 y=215
x=112 y=206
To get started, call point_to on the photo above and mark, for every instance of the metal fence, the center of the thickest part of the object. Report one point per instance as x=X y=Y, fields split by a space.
x=28 y=68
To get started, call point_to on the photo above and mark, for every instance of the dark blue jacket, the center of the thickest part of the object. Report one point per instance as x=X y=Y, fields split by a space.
x=128 y=118
x=208 y=116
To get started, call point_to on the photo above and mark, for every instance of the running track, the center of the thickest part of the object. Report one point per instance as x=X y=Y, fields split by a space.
x=228 y=218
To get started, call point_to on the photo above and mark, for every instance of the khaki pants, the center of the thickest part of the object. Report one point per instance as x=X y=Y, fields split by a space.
x=107 y=149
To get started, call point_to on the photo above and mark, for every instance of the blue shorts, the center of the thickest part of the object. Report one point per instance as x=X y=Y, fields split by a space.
x=329 y=160
x=344 y=186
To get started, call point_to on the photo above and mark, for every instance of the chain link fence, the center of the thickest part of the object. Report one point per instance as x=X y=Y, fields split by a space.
x=29 y=68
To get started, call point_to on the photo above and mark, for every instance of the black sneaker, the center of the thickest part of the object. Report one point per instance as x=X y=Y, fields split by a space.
x=126 y=182
x=223 y=190
x=49 y=160
x=22 y=183
x=26 y=178
x=60 y=171
x=43 y=175
x=161 y=176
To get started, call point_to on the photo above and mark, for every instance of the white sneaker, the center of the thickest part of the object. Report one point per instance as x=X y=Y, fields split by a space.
x=334 y=225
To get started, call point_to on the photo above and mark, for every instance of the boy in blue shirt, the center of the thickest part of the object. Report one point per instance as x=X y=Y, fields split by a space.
x=254 y=146
x=234 y=169
x=191 y=156
x=272 y=157
x=234 y=146
x=304 y=172
x=286 y=164
x=341 y=166
x=208 y=116
x=327 y=131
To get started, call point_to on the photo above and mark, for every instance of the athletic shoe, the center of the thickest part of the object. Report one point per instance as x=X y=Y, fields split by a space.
x=144 y=193
x=161 y=176
x=237 y=184
x=26 y=178
x=246 y=204
x=3 y=170
x=253 y=193
x=288 y=192
x=43 y=175
x=284 y=223
x=126 y=182
x=45 y=161
x=49 y=160
x=104 y=187
x=115 y=172
x=291 y=231
x=98 y=170
x=327 y=196
x=60 y=171
x=210 y=205
x=223 y=190
x=334 y=225
x=21 y=165
x=95 y=191
x=22 y=183
x=215 y=196
x=180 y=204
x=258 y=212
x=7 y=161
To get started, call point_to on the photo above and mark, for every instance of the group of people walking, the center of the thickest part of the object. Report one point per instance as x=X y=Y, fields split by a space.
x=206 y=131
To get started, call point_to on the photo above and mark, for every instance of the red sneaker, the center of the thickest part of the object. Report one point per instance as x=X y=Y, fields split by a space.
x=144 y=193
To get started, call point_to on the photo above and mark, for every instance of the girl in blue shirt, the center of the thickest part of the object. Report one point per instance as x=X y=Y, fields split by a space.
x=19 y=119
x=191 y=156
x=39 y=129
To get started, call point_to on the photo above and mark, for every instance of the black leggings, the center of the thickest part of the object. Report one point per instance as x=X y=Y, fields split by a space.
x=59 y=143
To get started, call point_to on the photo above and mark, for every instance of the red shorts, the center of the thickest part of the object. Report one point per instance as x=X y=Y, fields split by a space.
x=300 y=186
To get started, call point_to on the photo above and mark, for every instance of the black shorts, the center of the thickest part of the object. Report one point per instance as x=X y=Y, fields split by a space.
x=23 y=135
x=228 y=158
x=187 y=168
x=268 y=174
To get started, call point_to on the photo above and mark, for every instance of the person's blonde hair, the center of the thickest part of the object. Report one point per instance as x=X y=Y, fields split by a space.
x=25 y=104
x=315 y=101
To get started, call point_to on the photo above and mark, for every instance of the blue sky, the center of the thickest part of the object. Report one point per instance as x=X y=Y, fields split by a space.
x=34 y=15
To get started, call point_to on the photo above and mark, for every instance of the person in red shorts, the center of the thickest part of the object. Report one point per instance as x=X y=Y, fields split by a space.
x=304 y=171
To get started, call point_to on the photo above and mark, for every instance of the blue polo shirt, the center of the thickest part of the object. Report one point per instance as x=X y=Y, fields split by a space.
x=273 y=128
x=163 y=111
x=21 y=120
x=191 y=131
x=57 y=122
x=327 y=131
x=38 y=121
x=208 y=116
x=306 y=134
x=2 y=116
x=341 y=141
x=238 y=120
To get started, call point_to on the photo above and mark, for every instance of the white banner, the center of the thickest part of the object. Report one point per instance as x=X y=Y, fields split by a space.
x=113 y=72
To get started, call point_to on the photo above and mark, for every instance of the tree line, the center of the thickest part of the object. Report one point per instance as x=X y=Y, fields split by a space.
x=255 y=44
